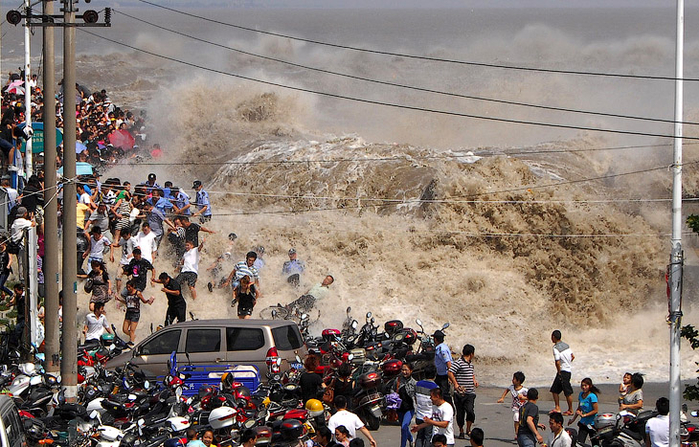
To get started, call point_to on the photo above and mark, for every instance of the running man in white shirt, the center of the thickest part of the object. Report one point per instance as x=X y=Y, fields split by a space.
x=190 y=267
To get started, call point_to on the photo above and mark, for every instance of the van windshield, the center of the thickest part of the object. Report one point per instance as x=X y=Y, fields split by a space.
x=287 y=338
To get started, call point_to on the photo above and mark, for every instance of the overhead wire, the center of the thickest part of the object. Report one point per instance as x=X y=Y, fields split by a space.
x=406 y=86
x=388 y=104
x=422 y=57
x=403 y=157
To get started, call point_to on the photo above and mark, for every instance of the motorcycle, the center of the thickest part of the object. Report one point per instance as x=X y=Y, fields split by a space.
x=424 y=355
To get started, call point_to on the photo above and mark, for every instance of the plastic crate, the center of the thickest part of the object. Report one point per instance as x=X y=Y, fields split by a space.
x=208 y=375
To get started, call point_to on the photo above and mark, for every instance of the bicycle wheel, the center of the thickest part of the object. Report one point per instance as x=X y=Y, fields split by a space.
x=274 y=313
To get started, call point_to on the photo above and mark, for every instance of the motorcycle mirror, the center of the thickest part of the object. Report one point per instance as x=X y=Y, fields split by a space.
x=355 y=323
x=419 y=323
x=372 y=320
x=274 y=314
x=304 y=317
x=95 y=414
x=250 y=423
x=694 y=413
x=446 y=325
x=146 y=384
x=368 y=315
x=298 y=359
x=350 y=357
x=141 y=422
x=349 y=309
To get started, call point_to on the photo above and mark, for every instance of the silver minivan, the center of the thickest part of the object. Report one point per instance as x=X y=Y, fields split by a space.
x=224 y=342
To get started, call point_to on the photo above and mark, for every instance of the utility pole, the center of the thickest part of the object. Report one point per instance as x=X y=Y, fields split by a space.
x=32 y=267
x=50 y=265
x=677 y=255
x=69 y=365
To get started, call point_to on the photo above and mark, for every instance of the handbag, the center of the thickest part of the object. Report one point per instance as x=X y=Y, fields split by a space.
x=89 y=284
x=329 y=395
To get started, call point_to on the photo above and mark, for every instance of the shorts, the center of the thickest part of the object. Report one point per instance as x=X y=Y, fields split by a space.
x=187 y=277
x=123 y=224
x=244 y=311
x=132 y=315
x=515 y=415
x=562 y=383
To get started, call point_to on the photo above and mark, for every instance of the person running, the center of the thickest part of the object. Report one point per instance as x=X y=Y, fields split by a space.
x=96 y=323
x=202 y=202
x=519 y=396
x=442 y=420
x=146 y=240
x=138 y=268
x=190 y=267
x=133 y=301
x=244 y=268
x=528 y=432
x=245 y=294
x=587 y=409
x=101 y=284
x=176 y=304
x=191 y=230
x=97 y=243
x=122 y=212
x=563 y=358
x=423 y=405
x=126 y=243
x=462 y=376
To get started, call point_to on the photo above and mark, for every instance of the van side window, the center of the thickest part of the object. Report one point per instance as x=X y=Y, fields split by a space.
x=287 y=337
x=203 y=340
x=244 y=339
x=13 y=427
x=164 y=343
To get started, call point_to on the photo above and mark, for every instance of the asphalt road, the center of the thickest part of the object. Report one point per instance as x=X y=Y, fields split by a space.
x=496 y=419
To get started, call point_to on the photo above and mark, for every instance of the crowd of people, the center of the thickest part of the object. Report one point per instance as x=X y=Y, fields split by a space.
x=440 y=409
x=131 y=225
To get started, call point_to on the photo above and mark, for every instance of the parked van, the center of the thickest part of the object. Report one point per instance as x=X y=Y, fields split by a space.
x=225 y=342
x=11 y=426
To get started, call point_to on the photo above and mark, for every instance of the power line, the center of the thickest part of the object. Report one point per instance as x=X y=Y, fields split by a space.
x=386 y=104
x=424 y=58
x=417 y=200
x=410 y=87
x=405 y=157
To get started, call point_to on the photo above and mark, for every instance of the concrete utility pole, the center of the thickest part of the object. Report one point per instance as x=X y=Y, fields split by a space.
x=32 y=266
x=69 y=365
x=677 y=255
x=50 y=266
